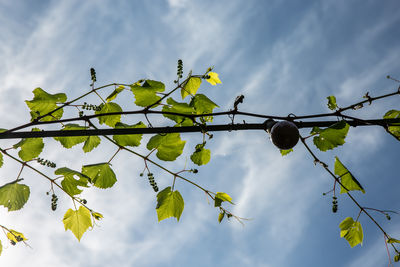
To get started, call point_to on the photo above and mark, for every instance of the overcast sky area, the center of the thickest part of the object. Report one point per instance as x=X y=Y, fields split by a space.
x=283 y=56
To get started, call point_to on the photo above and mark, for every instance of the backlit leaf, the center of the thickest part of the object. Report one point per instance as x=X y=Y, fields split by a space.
x=330 y=137
x=351 y=231
x=70 y=183
x=169 y=146
x=101 y=174
x=221 y=216
x=346 y=178
x=30 y=147
x=109 y=120
x=145 y=94
x=13 y=196
x=177 y=107
x=285 y=152
x=15 y=236
x=114 y=94
x=191 y=87
x=91 y=143
x=97 y=216
x=78 y=221
x=395 y=129
x=169 y=204
x=131 y=139
x=203 y=105
x=201 y=155
x=332 y=102
x=70 y=141
x=221 y=197
x=43 y=103
x=213 y=80
x=393 y=240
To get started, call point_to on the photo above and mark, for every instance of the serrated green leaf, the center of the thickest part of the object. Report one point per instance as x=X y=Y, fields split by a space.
x=30 y=147
x=146 y=94
x=393 y=240
x=182 y=108
x=201 y=155
x=78 y=221
x=221 y=197
x=114 y=94
x=109 y=120
x=101 y=174
x=169 y=146
x=70 y=141
x=131 y=139
x=169 y=204
x=394 y=129
x=191 y=87
x=285 y=152
x=69 y=183
x=346 y=178
x=13 y=196
x=43 y=103
x=221 y=216
x=332 y=102
x=91 y=143
x=330 y=137
x=15 y=236
x=351 y=231
x=214 y=79
x=203 y=105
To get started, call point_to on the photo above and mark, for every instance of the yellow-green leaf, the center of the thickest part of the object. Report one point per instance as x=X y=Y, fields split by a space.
x=78 y=221
x=15 y=236
x=69 y=183
x=348 y=181
x=330 y=137
x=91 y=143
x=221 y=197
x=169 y=204
x=285 y=152
x=101 y=174
x=191 y=87
x=213 y=80
x=131 y=139
x=352 y=231
x=43 y=103
x=114 y=94
x=146 y=94
x=393 y=240
x=201 y=155
x=221 y=216
x=332 y=102
x=169 y=146
x=1 y=248
x=30 y=147
x=97 y=216
x=13 y=196
x=394 y=129
x=109 y=120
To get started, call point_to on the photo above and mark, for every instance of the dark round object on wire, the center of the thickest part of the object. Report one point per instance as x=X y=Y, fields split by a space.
x=285 y=135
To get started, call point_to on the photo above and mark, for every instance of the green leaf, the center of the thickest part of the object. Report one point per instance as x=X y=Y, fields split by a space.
x=109 y=120
x=114 y=94
x=221 y=216
x=169 y=204
x=332 y=102
x=395 y=129
x=70 y=141
x=1 y=159
x=169 y=146
x=30 y=147
x=285 y=152
x=97 y=216
x=351 y=231
x=191 y=87
x=13 y=196
x=78 y=221
x=15 y=236
x=203 y=105
x=346 y=178
x=69 y=183
x=131 y=139
x=201 y=155
x=145 y=94
x=1 y=248
x=393 y=240
x=101 y=174
x=330 y=137
x=396 y=258
x=221 y=197
x=177 y=107
x=44 y=103
x=91 y=143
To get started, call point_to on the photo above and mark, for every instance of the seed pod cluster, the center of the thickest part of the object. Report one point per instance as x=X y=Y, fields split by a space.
x=152 y=181
x=46 y=162
x=180 y=68
x=54 y=200
x=92 y=107
x=334 y=204
x=93 y=74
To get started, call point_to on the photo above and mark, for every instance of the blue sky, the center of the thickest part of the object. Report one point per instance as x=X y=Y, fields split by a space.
x=284 y=56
